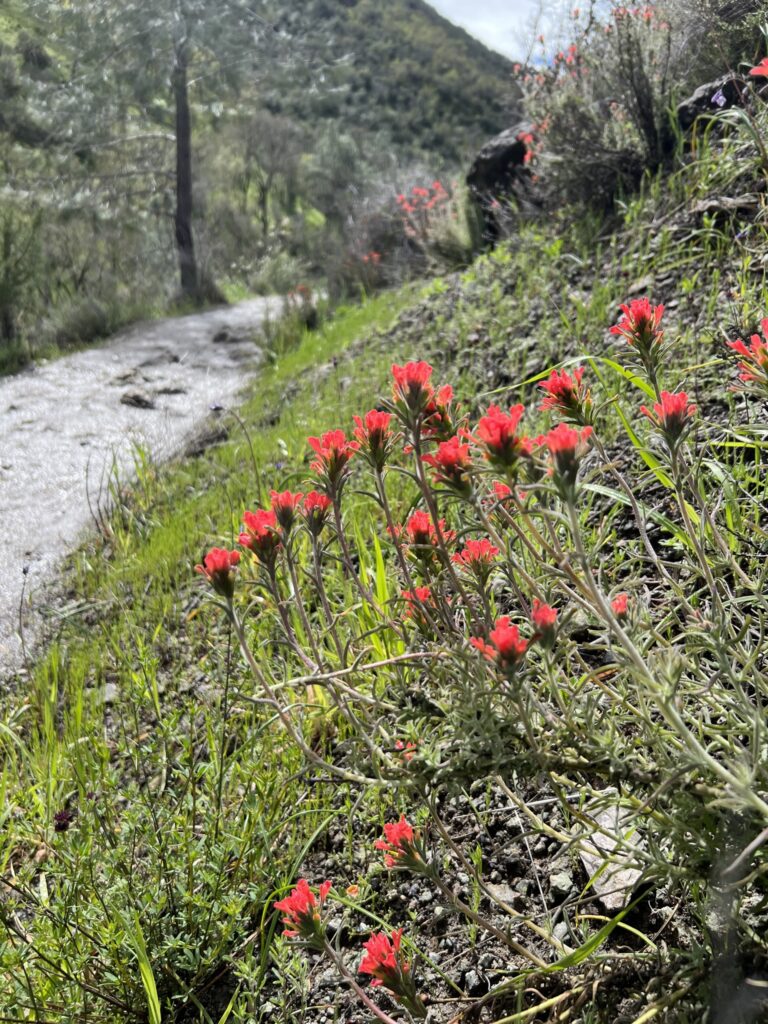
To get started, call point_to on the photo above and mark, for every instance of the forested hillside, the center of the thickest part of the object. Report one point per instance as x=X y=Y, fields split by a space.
x=238 y=141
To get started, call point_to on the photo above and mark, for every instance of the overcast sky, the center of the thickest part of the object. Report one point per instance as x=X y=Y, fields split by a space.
x=504 y=25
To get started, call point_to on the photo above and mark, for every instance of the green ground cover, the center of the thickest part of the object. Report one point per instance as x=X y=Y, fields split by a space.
x=154 y=807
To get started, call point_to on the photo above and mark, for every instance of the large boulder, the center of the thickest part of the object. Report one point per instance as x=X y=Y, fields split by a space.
x=709 y=99
x=500 y=172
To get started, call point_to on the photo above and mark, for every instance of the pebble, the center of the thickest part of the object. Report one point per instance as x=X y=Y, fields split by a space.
x=561 y=883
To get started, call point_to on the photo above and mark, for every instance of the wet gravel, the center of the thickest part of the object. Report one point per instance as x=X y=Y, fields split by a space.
x=66 y=426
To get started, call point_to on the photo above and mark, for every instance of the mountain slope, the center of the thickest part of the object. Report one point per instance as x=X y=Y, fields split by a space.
x=401 y=69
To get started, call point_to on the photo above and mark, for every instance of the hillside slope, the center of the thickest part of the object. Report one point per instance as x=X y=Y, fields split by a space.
x=404 y=70
x=145 y=749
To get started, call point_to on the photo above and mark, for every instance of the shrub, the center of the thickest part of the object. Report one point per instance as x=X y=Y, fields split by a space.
x=602 y=106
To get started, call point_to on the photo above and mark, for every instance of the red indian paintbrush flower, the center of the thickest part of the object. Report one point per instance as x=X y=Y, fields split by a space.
x=400 y=846
x=385 y=962
x=261 y=535
x=453 y=464
x=760 y=70
x=566 y=446
x=411 y=386
x=496 y=432
x=219 y=569
x=406 y=749
x=415 y=599
x=333 y=452
x=501 y=490
x=374 y=437
x=754 y=364
x=438 y=417
x=640 y=324
x=420 y=531
x=284 y=504
x=477 y=557
x=303 y=913
x=544 y=619
x=671 y=415
x=564 y=393
x=315 y=510
x=506 y=648
x=620 y=606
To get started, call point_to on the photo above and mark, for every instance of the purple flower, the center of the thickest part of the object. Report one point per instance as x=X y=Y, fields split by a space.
x=719 y=99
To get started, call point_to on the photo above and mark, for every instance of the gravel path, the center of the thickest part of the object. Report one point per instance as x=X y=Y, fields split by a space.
x=66 y=421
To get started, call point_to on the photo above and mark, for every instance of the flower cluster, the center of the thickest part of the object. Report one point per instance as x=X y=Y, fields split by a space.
x=754 y=359
x=565 y=393
x=219 y=567
x=672 y=416
x=400 y=846
x=504 y=647
x=302 y=913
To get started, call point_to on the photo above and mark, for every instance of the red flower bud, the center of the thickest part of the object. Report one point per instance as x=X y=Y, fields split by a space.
x=219 y=567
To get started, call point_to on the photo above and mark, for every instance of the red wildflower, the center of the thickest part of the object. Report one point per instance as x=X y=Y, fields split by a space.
x=374 y=437
x=415 y=598
x=754 y=364
x=284 y=506
x=564 y=393
x=384 y=961
x=761 y=69
x=544 y=619
x=400 y=846
x=333 y=452
x=640 y=324
x=302 y=912
x=566 y=446
x=406 y=750
x=496 y=432
x=438 y=420
x=620 y=606
x=219 y=569
x=672 y=415
x=501 y=490
x=411 y=387
x=420 y=531
x=506 y=647
x=477 y=557
x=453 y=463
x=315 y=511
x=261 y=535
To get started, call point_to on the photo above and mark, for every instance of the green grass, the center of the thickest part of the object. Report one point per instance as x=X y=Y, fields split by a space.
x=143 y=796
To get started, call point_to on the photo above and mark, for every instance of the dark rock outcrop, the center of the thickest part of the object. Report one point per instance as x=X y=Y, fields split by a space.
x=709 y=99
x=499 y=172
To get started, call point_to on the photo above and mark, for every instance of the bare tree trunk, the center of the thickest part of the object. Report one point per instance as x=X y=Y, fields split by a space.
x=190 y=280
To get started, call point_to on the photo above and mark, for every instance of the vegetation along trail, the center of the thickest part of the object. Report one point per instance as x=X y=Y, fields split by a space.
x=70 y=426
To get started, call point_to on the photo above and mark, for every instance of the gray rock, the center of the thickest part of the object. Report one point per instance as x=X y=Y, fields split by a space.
x=561 y=883
x=709 y=99
x=614 y=883
x=138 y=399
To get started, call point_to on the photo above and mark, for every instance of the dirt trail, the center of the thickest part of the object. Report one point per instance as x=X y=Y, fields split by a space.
x=67 y=420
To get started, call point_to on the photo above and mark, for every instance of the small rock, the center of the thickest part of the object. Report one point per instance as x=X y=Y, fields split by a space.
x=226 y=336
x=110 y=694
x=425 y=897
x=137 y=399
x=561 y=883
x=503 y=892
x=475 y=984
x=560 y=931
x=614 y=883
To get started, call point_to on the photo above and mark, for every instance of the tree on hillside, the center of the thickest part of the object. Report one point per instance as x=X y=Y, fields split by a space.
x=142 y=61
